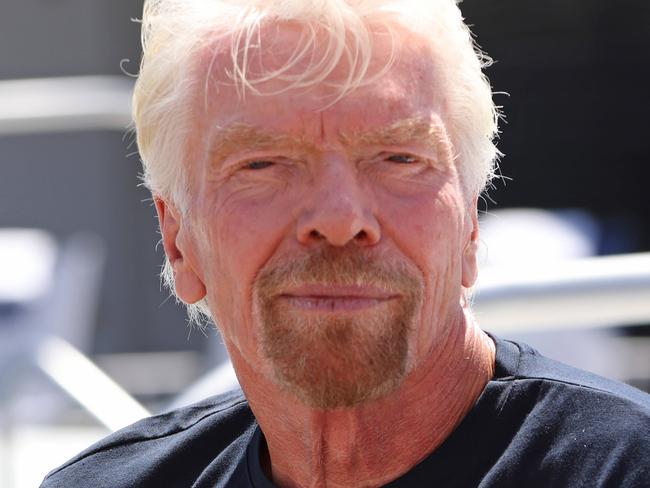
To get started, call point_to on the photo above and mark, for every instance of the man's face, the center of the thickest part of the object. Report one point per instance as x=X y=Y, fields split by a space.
x=332 y=243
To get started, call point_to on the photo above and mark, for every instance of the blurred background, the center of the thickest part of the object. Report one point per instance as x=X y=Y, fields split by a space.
x=88 y=340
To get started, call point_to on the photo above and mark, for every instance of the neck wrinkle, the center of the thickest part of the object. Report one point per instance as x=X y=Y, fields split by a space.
x=372 y=444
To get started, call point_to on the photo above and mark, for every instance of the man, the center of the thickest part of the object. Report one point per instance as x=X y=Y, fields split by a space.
x=315 y=167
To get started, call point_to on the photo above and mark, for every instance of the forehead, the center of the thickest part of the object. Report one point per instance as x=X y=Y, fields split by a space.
x=403 y=82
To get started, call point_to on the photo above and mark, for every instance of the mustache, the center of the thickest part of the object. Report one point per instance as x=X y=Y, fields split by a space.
x=344 y=266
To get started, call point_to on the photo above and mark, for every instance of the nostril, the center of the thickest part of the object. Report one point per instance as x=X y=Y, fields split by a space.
x=361 y=235
x=314 y=234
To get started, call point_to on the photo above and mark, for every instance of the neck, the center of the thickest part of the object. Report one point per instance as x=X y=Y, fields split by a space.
x=374 y=443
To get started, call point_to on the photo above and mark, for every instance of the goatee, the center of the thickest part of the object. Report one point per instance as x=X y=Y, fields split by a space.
x=337 y=360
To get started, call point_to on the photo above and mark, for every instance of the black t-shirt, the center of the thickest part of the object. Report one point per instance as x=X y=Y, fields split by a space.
x=538 y=423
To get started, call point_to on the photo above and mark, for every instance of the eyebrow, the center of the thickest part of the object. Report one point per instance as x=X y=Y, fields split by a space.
x=237 y=136
x=419 y=130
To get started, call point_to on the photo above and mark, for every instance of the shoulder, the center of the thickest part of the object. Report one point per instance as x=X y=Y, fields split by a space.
x=550 y=378
x=574 y=426
x=558 y=394
x=148 y=453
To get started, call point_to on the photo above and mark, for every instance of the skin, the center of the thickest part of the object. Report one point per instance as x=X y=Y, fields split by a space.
x=321 y=184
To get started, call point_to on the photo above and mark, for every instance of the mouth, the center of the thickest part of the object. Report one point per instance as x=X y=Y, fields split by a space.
x=337 y=299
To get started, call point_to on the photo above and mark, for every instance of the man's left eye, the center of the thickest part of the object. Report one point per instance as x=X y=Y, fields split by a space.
x=402 y=158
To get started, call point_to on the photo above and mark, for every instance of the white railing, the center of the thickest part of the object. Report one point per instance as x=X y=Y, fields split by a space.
x=591 y=292
x=87 y=384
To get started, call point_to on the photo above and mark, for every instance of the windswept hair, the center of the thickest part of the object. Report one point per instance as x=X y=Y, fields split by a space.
x=177 y=33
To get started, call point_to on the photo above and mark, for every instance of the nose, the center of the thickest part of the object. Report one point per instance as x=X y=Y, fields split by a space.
x=338 y=210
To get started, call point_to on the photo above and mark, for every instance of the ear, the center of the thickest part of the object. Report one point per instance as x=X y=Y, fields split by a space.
x=188 y=284
x=470 y=251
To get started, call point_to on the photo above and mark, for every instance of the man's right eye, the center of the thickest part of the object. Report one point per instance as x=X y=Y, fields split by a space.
x=260 y=164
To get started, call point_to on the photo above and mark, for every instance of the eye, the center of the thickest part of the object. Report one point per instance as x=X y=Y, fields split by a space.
x=258 y=164
x=402 y=158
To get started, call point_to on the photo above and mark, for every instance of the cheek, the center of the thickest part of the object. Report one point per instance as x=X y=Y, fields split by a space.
x=426 y=225
x=242 y=234
x=427 y=228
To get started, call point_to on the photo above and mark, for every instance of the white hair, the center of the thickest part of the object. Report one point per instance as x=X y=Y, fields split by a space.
x=175 y=33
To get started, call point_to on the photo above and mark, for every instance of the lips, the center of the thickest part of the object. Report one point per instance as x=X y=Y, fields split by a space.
x=334 y=298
